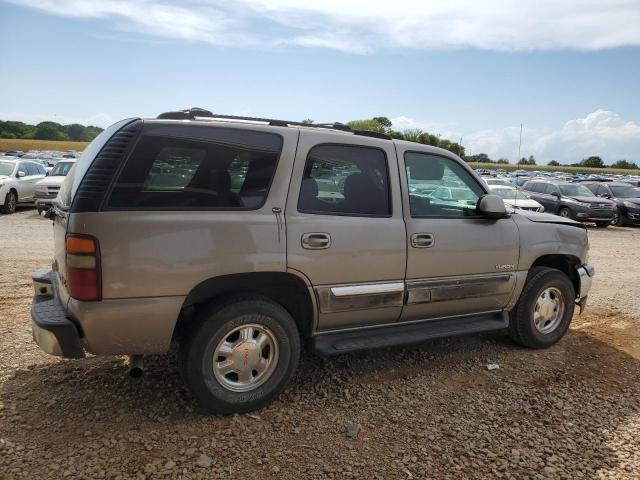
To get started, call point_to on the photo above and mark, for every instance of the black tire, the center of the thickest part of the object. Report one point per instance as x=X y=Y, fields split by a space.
x=617 y=219
x=565 y=212
x=521 y=325
x=10 y=202
x=210 y=327
x=603 y=224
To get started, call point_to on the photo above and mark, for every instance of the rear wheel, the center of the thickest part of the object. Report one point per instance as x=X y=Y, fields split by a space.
x=239 y=356
x=545 y=308
x=565 y=212
x=10 y=203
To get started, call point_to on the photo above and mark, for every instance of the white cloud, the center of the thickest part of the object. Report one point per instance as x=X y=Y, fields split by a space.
x=363 y=26
x=602 y=132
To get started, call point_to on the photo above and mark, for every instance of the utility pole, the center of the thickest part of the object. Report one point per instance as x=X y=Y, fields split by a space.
x=519 y=144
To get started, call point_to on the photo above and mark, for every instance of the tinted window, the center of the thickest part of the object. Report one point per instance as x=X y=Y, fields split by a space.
x=345 y=180
x=531 y=187
x=190 y=174
x=550 y=189
x=439 y=186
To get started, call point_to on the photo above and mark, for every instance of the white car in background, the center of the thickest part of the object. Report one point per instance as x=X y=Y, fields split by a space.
x=47 y=188
x=18 y=180
x=515 y=199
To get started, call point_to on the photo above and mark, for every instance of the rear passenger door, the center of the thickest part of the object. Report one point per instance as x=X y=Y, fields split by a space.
x=345 y=230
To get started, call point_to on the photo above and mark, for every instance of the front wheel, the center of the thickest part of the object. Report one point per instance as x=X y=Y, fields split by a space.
x=239 y=356
x=617 y=219
x=10 y=203
x=565 y=212
x=545 y=308
x=602 y=224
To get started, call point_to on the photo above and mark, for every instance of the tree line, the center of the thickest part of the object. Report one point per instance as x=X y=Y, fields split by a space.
x=48 y=131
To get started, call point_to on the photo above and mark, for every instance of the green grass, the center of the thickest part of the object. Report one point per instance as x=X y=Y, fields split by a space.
x=561 y=168
x=7 y=144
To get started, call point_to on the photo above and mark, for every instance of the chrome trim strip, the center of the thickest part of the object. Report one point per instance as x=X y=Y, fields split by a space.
x=394 y=324
x=461 y=287
x=372 y=289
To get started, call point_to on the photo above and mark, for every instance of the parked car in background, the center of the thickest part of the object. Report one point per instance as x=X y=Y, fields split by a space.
x=495 y=181
x=47 y=189
x=627 y=198
x=17 y=182
x=571 y=200
x=516 y=199
x=14 y=153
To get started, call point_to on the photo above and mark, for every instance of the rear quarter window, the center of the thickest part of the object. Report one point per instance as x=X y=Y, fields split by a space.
x=171 y=173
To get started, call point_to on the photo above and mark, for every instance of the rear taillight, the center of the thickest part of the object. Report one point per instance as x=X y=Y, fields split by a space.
x=83 y=267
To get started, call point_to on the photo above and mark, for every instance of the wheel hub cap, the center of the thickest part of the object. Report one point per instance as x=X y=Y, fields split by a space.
x=548 y=310
x=245 y=358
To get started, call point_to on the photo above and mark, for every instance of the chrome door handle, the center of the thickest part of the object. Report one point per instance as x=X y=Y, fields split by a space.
x=316 y=241
x=422 y=240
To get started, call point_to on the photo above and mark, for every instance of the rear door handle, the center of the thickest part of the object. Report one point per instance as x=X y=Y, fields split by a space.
x=422 y=240
x=316 y=241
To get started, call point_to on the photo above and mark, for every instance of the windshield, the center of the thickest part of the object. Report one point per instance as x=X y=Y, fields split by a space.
x=509 y=193
x=626 y=192
x=575 y=191
x=61 y=169
x=6 y=168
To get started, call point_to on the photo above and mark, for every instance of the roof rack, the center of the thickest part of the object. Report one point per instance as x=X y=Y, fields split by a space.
x=195 y=112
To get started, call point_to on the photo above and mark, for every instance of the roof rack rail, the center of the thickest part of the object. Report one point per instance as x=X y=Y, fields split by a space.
x=195 y=112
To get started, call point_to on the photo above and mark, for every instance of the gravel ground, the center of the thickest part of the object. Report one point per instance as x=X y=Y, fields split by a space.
x=435 y=411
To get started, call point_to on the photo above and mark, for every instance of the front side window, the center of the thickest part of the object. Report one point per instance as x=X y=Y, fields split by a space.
x=551 y=189
x=175 y=173
x=440 y=187
x=345 y=180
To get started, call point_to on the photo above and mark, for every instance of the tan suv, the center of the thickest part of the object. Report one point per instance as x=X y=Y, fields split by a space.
x=240 y=238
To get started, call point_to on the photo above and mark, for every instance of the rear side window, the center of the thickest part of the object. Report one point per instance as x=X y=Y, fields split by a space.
x=345 y=180
x=175 y=173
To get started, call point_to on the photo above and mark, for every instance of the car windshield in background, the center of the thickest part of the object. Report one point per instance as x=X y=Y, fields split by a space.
x=61 y=169
x=575 y=191
x=509 y=193
x=626 y=192
x=6 y=168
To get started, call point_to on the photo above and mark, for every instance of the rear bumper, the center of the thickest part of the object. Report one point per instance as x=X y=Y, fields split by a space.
x=53 y=330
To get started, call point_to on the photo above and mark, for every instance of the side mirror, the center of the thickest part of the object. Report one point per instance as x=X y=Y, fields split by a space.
x=46 y=174
x=556 y=194
x=491 y=206
x=20 y=174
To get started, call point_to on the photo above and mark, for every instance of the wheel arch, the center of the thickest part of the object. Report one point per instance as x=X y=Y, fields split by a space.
x=566 y=263
x=287 y=289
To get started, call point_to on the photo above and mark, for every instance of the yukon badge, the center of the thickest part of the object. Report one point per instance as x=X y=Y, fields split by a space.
x=506 y=266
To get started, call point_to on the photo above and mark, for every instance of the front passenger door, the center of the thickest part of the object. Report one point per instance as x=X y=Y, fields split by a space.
x=457 y=262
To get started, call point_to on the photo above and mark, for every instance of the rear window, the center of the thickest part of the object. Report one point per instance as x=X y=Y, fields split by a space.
x=184 y=174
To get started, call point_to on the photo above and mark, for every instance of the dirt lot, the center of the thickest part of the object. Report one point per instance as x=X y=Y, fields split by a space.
x=435 y=411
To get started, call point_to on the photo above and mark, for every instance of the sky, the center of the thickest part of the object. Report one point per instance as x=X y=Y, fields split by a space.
x=568 y=70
